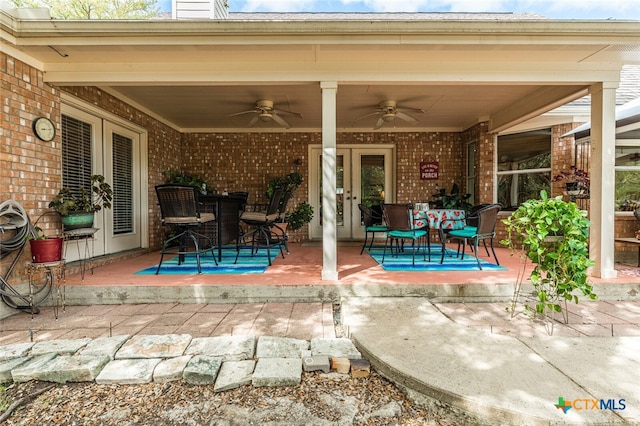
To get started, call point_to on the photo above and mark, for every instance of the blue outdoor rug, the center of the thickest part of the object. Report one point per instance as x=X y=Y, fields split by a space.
x=247 y=264
x=402 y=261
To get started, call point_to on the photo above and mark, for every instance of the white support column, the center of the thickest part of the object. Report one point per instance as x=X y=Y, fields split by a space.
x=602 y=198
x=329 y=152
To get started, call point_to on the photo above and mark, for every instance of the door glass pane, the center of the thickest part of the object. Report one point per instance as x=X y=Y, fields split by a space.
x=339 y=189
x=122 y=184
x=372 y=179
x=76 y=155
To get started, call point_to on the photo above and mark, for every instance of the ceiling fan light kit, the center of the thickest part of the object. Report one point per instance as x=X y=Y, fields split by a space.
x=265 y=112
x=388 y=111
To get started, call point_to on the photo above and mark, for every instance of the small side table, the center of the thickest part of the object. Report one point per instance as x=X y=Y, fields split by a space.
x=86 y=235
x=52 y=271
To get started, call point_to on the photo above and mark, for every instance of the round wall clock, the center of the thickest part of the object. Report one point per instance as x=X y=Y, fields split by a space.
x=44 y=129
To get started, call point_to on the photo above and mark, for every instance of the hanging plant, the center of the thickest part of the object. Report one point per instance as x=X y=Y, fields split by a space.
x=554 y=235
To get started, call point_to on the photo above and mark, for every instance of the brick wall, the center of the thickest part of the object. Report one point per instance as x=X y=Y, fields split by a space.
x=248 y=161
x=29 y=168
x=413 y=148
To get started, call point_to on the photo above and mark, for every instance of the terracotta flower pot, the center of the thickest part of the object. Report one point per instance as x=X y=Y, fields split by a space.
x=47 y=250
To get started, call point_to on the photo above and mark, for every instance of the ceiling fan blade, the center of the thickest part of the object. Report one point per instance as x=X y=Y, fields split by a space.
x=281 y=121
x=242 y=112
x=378 y=123
x=418 y=110
x=279 y=111
x=368 y=115
x=253 y=121
x=405 y=117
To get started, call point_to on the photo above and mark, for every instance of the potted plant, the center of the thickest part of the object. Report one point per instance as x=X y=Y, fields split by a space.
x=553 y=234
x=44 y=249
x=77 y=206
x=453 y=200
x=289 y=184
x=302 y=214
x=296 y=218
x=186 y=178
x=577 y=181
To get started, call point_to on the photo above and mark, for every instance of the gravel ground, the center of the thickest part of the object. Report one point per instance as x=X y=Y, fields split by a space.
x=321 y=399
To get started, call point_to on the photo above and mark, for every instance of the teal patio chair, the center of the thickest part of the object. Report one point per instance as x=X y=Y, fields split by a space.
x=399 y=221
x=372 y=224
x=486 y=218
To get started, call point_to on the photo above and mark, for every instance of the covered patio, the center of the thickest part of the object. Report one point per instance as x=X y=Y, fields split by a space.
x=175 y=89
x=297 y=278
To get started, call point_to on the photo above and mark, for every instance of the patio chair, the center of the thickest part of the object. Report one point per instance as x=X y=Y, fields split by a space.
x=487 y=218
x=282 y=214
x=372 y=220
x=261 y=234
x=180 y=209
x=399 y=220
x=472 y=220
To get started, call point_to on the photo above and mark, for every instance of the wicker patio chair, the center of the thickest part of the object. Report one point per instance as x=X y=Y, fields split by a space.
x=487 y=218
x=180 y=209
x=261 y=234
x=399 y=222
x=372 y=223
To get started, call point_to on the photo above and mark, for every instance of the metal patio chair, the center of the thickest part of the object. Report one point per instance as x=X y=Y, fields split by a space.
x=180 y=209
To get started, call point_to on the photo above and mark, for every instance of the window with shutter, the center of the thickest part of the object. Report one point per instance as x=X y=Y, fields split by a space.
x=76 y=154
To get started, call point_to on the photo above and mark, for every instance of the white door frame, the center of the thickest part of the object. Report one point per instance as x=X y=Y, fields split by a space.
x=352 y=153
x=119 y=242
x=99 y=120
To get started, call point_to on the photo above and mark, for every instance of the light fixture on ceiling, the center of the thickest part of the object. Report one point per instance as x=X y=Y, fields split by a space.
x=388 y=111
x=265 y=112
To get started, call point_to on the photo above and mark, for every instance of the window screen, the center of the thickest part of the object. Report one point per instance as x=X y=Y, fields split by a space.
x=76 y=154
x=122 y=184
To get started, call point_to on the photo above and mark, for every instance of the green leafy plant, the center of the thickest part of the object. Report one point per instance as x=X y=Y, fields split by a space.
x=453 y=200
x=288 y=183
x=71 y=200
x=554 y=235
x=303 y=213
x=186 y=178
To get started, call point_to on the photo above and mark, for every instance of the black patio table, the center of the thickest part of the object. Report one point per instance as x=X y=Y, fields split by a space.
x=225 y=228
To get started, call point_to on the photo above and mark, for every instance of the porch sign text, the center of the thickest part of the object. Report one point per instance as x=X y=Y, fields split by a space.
x=429 y=170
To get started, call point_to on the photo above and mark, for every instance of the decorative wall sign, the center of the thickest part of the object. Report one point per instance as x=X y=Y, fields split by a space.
x=429 y=170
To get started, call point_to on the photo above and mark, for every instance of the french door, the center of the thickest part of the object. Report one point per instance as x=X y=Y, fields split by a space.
x=364 y=174
x=122 y=221
x=94 y=145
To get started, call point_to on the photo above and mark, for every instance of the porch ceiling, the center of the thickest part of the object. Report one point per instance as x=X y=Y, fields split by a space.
x=192 y=75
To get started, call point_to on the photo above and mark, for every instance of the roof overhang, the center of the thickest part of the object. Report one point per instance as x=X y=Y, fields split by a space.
x=192 y=74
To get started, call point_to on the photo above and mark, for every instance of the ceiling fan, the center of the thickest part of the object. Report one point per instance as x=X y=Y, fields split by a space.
x=265 y=112
x=388 y=110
